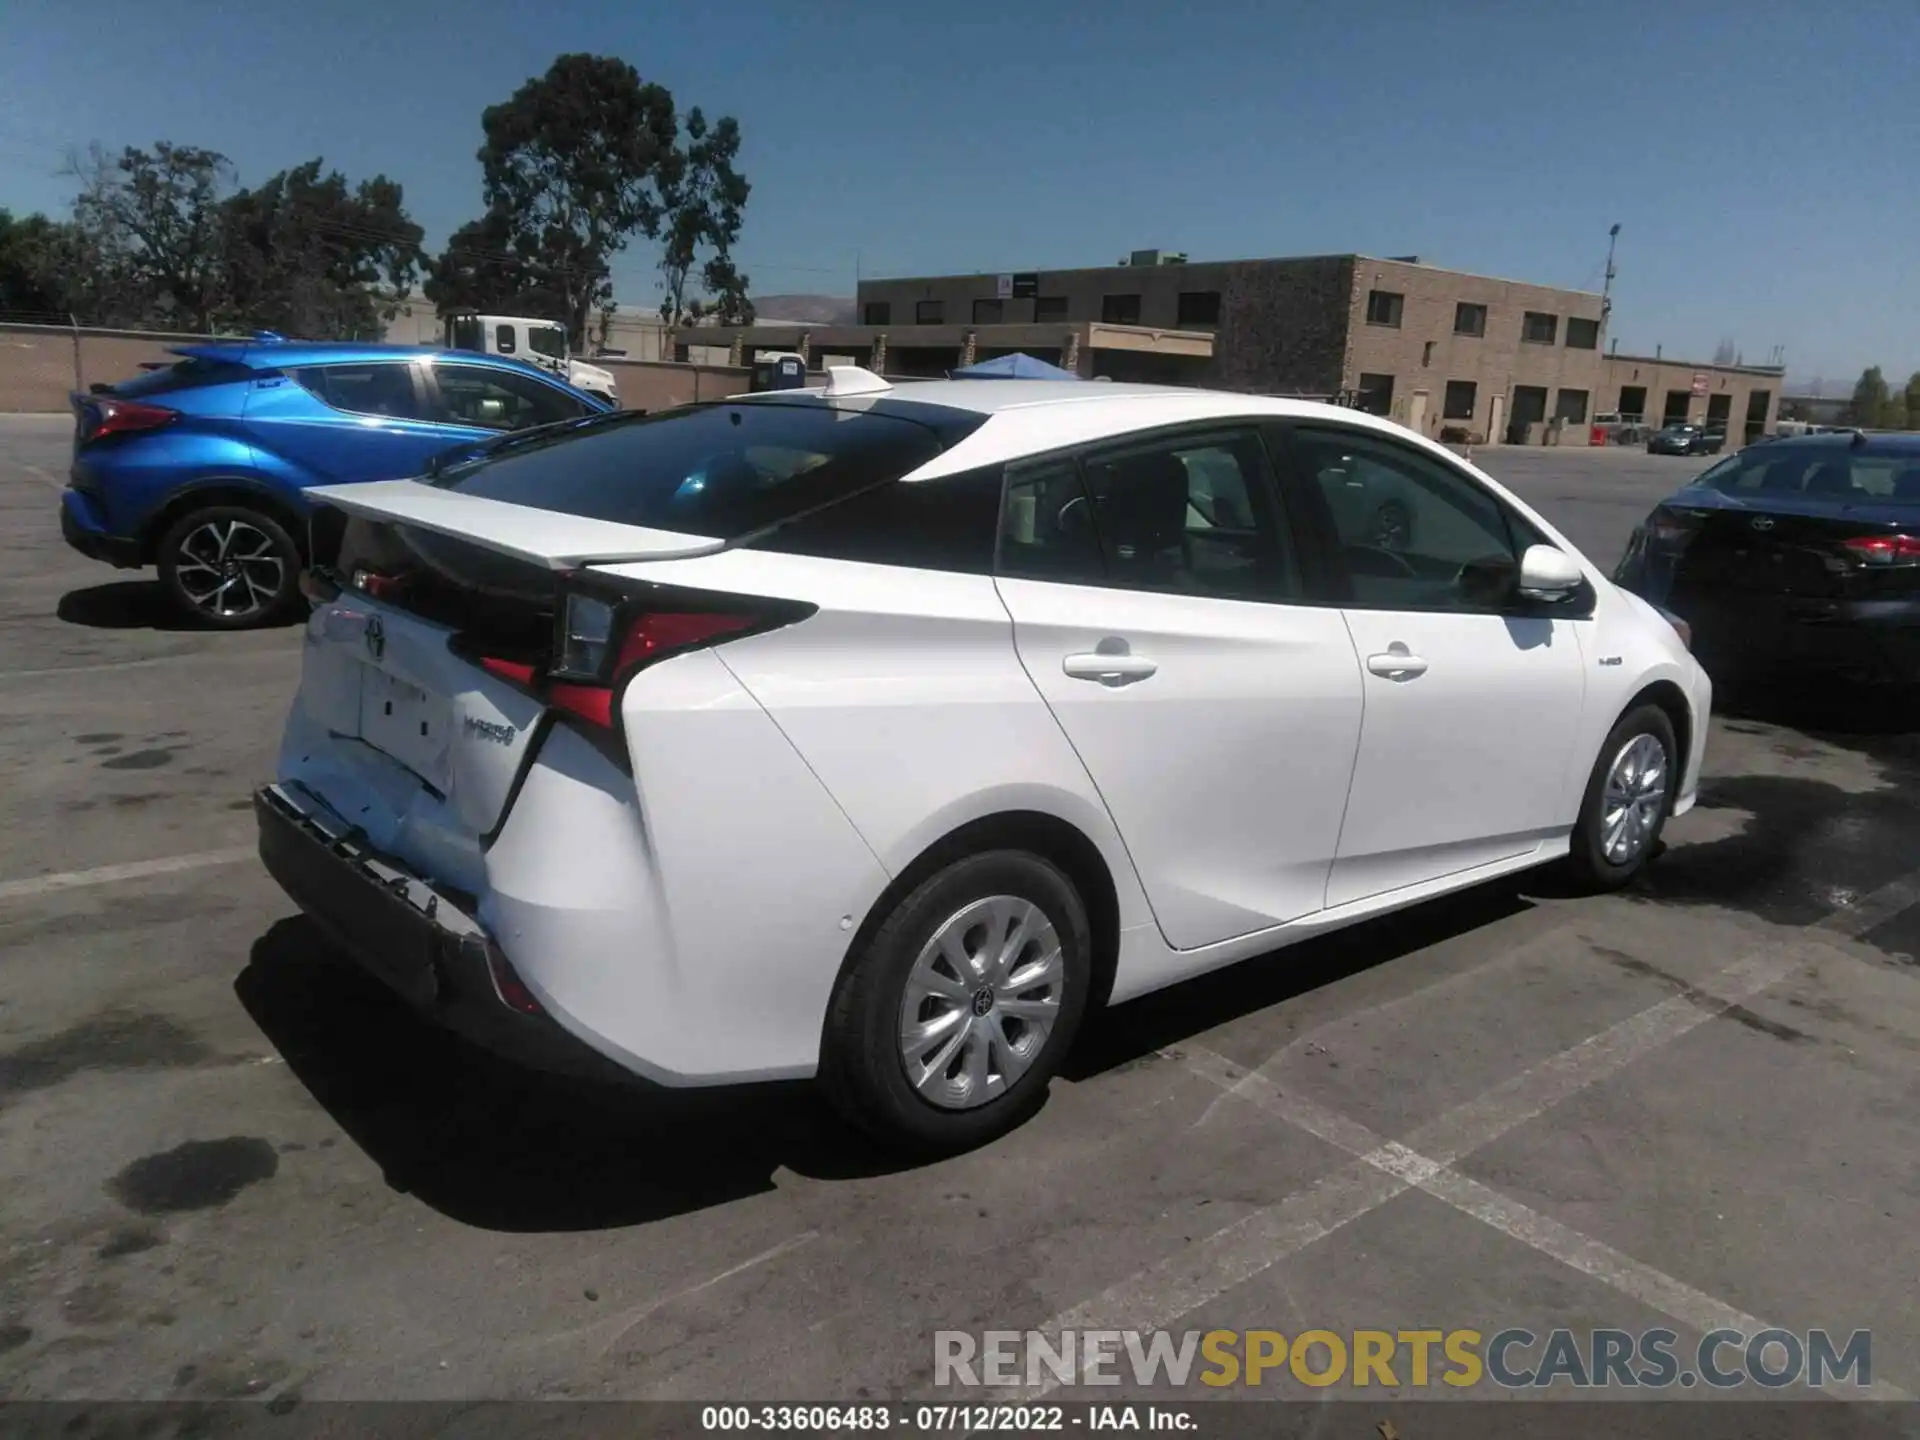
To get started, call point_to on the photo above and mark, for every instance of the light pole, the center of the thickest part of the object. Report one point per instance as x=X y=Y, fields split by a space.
x=1606 y=285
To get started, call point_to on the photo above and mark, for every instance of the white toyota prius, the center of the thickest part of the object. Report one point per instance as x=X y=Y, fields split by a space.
x=876 y=732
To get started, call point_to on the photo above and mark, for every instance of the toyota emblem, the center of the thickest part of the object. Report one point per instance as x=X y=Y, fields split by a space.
x=1763 y=522
x=376 y=634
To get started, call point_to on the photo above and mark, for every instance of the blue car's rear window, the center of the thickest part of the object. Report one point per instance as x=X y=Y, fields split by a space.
x=188 y=374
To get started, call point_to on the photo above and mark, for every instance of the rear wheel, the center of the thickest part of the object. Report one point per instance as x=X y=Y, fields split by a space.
x=951 y=1019
x=1628 y=798
x=229 y=566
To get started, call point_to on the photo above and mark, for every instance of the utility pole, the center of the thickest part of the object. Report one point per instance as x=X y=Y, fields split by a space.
x=1606 y=286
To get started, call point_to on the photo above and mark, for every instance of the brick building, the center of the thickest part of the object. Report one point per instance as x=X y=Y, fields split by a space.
x=1441 y=351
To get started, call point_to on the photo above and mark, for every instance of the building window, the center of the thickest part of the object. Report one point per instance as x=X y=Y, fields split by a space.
x=1375 y=395
x=1539 y=328
x=929 y=312
x=1582 y=334
x=1426 y=355
x=1199 y=307
x=1463 y=397
x=986 y=312
x=878 y=312
x=1571 y=407
x=1049 y=307
x=1120 y=309
x=1469 y=319
x=1384 y=307
x=1633 y=402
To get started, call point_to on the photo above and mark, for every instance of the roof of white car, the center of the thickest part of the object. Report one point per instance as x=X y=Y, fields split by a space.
x=1033 y=416
x=990 y=397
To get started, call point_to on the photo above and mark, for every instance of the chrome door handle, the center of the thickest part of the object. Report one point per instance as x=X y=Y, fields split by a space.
x=1111 y=670
x=1397 y=664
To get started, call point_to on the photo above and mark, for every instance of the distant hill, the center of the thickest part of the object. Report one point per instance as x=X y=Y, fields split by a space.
x=804 y=309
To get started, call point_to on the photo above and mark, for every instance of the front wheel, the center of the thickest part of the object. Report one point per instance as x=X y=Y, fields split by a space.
x=229 y=567
x=1628 y=798
x=951 y=1018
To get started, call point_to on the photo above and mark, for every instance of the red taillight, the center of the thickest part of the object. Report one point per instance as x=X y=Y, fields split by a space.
x=511 y=989
x=380 y=587
x=1668 y=526
x=1886 y=549
x=513 y=670
x=586 y=691
x=647 y=638
x=125 y=417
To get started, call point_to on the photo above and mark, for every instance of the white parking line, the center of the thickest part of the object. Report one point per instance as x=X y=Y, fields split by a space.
x=1162 y=1293
x=1637 y=1281
x=43 y=477
x=133 y=870
x=1874 y=908
x=626 y=1322
x=176 y=659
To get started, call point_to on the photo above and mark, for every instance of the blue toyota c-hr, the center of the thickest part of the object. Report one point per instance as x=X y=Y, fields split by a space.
x=199 y=467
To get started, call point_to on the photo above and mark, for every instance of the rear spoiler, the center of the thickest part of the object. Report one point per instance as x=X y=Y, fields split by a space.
x=548 y=538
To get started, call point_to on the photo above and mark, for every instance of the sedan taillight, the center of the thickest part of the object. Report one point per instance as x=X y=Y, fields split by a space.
x=1670 y=526
x=1884 y=550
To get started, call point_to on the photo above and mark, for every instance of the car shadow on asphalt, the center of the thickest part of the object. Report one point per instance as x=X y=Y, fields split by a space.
x=1803 y=844
x=491 y=1144
x=1130 y=1032
x=135 y=605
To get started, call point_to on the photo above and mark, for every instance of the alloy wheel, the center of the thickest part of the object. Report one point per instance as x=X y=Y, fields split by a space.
x=229 y=569
x=980 y=1002
x=1633 y=798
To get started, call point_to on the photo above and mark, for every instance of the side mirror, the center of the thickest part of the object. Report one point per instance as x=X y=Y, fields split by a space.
x=1548 y=573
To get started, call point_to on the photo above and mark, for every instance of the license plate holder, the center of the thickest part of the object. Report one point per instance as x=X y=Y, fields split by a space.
x=404 y=721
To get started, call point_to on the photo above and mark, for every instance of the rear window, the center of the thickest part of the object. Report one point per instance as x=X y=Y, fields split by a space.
x=723 y=470
x=1818 y=472
x=188 y=374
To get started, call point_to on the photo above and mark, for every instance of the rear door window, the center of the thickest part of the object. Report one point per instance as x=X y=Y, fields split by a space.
x=500 y=400
x=1046 y=525
x=1195 y=514
x=386 y=388
x=727 y=470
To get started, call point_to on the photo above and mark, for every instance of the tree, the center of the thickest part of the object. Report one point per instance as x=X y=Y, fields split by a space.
x=307 y=255
x=155 y=220
x=482 y=269
x=1912 y=420
x=569 y=164
x=30 y=271
x=1869 y=397
x=702 y=196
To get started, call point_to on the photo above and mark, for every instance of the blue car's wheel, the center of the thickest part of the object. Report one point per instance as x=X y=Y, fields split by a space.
x=230 y=567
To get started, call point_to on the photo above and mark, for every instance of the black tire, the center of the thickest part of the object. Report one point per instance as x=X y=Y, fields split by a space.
x=193 y=572
x=861 y=1065
x=1587 y=859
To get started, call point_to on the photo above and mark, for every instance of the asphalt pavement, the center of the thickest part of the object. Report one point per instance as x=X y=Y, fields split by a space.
x=231 y=1167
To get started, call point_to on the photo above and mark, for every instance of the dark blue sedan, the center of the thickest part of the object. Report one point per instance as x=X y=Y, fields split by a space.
x=199 y=467
x=1796 y=556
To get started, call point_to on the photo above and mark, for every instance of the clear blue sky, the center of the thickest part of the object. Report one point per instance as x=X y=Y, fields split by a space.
x=1763 y=158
